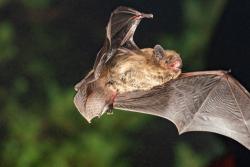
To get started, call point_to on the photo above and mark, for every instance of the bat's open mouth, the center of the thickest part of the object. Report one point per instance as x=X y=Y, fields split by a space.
x=177 y=64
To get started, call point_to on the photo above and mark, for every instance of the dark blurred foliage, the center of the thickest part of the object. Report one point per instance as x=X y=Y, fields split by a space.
x=46 y=46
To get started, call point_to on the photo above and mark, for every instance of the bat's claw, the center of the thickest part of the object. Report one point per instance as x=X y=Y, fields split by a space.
x=110 y=112
x=149 y=16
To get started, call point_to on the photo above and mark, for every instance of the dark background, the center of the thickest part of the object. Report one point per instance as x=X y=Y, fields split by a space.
x=46 y=46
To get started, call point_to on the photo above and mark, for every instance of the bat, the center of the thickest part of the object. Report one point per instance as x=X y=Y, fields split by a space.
x=150 y=81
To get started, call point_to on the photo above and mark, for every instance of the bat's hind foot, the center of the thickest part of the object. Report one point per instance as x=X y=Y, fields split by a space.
x=110 y=111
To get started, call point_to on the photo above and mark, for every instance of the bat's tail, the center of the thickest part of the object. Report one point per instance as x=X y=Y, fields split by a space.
x=92 y=101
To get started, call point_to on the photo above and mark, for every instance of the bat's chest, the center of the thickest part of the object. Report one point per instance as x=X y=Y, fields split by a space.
x=138 y=75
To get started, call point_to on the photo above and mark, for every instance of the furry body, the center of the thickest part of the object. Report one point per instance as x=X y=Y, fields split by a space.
x=130 y=71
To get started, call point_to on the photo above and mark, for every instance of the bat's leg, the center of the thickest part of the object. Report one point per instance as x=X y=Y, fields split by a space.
x=109 y=104
x=112 y=99
x=110 y=111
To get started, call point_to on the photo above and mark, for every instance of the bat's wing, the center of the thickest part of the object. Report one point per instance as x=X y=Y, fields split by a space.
x=119 y=32
x=122 y=25
x=92 y=100
x=90 y=106
x=87 y=79
x=198 y=101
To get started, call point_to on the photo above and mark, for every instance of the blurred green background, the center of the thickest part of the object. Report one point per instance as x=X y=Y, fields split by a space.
x=46 y=46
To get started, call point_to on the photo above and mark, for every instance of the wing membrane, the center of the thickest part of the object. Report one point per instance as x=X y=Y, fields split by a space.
x=201 y=101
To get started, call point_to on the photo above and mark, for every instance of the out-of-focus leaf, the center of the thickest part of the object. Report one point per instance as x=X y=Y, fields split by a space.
x=3 y=2
x=185 y=156
x=36 y=4
x=7 y=47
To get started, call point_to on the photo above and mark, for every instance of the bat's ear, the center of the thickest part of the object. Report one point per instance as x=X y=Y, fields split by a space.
x=159 y=52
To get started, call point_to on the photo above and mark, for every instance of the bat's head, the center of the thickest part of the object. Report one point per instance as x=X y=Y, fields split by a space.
x=167 y=59
x=171 y=60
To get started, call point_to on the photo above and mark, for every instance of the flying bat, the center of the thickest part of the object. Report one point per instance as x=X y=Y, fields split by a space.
x=150 y=81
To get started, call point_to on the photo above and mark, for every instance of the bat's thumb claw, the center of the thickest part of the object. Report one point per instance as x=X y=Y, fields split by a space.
x=150 y=16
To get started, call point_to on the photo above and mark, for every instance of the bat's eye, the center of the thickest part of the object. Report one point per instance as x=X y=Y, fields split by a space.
x=168 y=59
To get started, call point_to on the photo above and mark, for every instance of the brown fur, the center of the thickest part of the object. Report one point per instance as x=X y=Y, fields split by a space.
x=131 y=71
